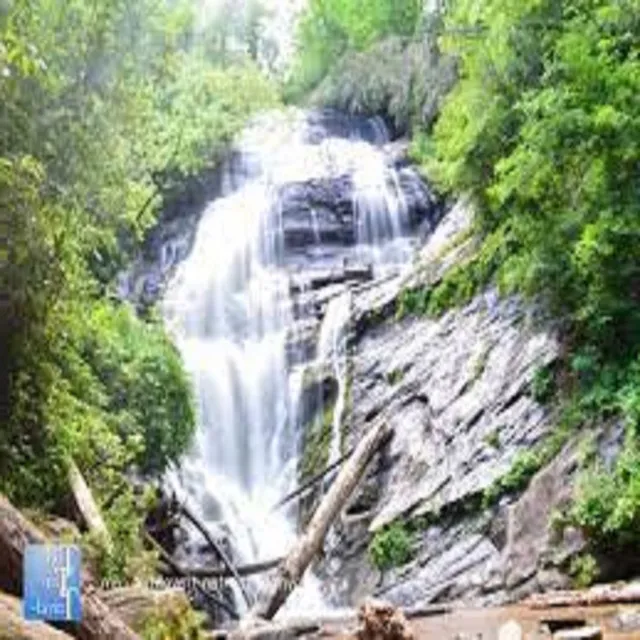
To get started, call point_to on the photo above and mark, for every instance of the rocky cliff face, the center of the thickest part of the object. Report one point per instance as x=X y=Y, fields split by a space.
x=458 y=392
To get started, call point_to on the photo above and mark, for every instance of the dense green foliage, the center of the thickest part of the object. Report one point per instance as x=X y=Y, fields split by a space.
x=543 y=131
x=371 y=56
x=104 y=108
x=608 y=505
x=330 y=28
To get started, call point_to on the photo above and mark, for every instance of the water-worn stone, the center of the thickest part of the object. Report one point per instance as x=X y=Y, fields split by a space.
x=467 y=408
x=510 y=631
x=134 y=605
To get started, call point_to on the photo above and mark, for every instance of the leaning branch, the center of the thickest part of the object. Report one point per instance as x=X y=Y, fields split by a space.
x=312 y=482
x=310 y=542
x=86 y=505
x=218 y=549
x=180 y=572
x=242 y=570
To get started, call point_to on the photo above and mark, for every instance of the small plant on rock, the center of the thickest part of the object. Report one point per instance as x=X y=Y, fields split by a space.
x=542 y=385
x=584 y=570
x=391 y=546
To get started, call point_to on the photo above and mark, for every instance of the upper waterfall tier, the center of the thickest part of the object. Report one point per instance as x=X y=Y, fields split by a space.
x=333 y=189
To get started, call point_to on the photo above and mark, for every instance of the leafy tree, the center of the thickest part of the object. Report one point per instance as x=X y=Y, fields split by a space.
x=330 y=28
x=104 y=108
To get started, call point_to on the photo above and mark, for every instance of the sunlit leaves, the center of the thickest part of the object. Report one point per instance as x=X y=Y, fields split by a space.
x=104 y=107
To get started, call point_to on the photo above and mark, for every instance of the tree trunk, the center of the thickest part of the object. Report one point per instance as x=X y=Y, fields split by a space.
x=14 y=627
x=86 y=505
x=595 y=596
x=309 y=543
x=16 y=532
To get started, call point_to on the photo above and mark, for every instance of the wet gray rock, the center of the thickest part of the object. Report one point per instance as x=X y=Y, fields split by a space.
x=467 y=411
x=463 y=411
x=317 y=212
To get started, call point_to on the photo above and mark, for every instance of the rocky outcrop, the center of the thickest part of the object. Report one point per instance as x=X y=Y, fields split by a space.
x=463 y=413
x=457 y=391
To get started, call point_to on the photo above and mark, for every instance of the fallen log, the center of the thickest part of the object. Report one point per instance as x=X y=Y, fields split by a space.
x=188 y=514
x=16 y=532
x=310 y=542
x=278 y=631
x=13 y=626
x=242 y=570
x=598 y=595
x=86 y=506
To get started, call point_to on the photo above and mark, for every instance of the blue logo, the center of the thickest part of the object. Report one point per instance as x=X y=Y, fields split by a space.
x=52 y=583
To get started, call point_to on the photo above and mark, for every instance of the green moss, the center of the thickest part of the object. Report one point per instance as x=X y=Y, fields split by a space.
x=317 y=444
x=394 y=377
x=480 y=364
x=543 y=385
x=583 y=571
x=412 y=302
x=527 y=463
x=345 y=426
x=492 y=439
x=466 y=280
x=177 y=621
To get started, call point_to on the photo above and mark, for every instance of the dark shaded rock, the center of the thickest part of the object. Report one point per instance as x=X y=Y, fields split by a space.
x=317 y=212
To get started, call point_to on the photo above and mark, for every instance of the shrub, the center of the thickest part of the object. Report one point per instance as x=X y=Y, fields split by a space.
x=542 y=385
x=391 y=546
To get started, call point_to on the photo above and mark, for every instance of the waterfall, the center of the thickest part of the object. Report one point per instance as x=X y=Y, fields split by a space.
x=230 y=308
x=332 y=348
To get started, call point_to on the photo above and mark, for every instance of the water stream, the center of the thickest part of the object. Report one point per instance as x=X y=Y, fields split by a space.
x=230 y=308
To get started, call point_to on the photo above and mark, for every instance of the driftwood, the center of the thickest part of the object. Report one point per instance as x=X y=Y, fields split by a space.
x=599 y=595
x=13 y=626
x=241 y=570
x=85 y=504
x=271 y=631
x=310 y=542
x=218 y=549
x=98 y=621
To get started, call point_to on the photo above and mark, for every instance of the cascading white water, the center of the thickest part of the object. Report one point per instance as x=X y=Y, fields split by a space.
x=332 y=348
x=230 y=309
